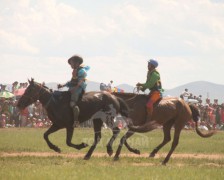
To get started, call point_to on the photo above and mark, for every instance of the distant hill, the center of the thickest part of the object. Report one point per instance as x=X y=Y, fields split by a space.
x=52 y=85
x=204 y=88
x=91 y=86
x=94 y=86
x=126 y=87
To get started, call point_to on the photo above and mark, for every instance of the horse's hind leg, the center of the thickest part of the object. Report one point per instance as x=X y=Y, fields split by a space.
x=174 y=145
x=52 y=129
x=166 y=131
x=136 y=151
x=97 y=124
x=122 y=141
x=70 y=131
x=116 y=131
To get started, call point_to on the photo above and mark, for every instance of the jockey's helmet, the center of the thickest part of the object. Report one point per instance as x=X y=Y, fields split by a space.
x=153 y=62
x=75 y=58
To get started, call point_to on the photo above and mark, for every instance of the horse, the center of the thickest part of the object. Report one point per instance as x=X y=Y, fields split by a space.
x=168 y=112
x=98 y=106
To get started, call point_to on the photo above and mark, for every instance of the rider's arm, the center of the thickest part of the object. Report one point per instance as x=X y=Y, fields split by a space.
x=186 y=94
x=67 y=84
x=64 y=85
x=151 y=81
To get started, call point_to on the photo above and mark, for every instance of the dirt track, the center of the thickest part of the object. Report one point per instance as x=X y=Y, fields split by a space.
x=97 y=154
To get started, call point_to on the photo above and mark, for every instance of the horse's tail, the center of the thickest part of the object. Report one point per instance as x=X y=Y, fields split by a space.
x=195 y=116
x=124 y=109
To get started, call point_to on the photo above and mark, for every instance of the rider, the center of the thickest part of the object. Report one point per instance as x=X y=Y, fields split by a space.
x=185 y=94
x=152 y=83
x=109 y=86
x=77 y=84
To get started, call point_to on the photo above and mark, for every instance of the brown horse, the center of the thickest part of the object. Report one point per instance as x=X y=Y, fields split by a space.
x=168 y=112
x=100 y=106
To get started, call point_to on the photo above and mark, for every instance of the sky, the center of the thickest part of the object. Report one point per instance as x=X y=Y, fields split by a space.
x=115 y=38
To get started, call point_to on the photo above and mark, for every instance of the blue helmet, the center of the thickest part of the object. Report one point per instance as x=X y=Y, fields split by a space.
x=153 y=62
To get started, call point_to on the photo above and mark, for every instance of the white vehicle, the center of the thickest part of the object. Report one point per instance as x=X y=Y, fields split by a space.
x=191 y=101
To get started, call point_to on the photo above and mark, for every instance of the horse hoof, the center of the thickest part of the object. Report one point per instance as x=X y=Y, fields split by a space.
x=110 y=153
x=116 y=158
x=86 y=158
x=152 y=155
x=163 y=163
x=84 y=145
x=136 y=151
x=109 y=150
x=81 y=146
x=56 y=149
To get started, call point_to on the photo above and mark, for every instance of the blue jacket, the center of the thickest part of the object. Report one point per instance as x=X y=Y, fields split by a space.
x=81 y=76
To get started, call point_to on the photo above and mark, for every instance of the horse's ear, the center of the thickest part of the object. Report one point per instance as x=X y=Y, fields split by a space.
x=31 y=81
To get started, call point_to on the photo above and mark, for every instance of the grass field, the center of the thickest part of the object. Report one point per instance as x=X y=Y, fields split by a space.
x=25 y=155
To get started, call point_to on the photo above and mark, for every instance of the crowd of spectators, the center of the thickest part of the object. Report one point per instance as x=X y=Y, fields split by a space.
x=211 y=113
x=32 y=116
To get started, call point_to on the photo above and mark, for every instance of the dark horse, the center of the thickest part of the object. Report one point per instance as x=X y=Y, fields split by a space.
x=100 y=106
x=168 y=112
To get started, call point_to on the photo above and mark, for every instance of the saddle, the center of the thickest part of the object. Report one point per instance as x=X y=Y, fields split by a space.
x=64 y=96
x=157 y=102
x=147 y=97
x=61 y=96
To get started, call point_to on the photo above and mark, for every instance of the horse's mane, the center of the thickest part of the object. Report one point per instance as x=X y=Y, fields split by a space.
x=43 y=86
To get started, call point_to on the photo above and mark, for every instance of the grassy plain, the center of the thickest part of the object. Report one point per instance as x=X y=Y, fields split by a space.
x=25 y=155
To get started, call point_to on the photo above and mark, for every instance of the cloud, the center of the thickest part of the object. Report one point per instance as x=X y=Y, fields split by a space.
x=116 y=39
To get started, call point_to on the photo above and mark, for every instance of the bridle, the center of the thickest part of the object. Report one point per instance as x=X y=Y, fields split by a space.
x=37 y=95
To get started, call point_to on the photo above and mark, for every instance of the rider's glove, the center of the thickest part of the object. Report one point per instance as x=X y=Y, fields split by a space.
x=138 y=84
x=60 y=86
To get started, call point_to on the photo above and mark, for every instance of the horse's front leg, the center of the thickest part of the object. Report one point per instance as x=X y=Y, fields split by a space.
x=52 y=129
x=70 y=131
x=116 y=131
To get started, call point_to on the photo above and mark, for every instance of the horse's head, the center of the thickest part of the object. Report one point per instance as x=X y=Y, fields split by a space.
x=31 y=94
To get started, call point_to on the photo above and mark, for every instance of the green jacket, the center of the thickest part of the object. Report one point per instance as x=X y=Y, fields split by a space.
x=153 y=81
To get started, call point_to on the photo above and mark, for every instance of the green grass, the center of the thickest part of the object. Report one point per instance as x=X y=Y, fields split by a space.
x=62 y=167
x=31 y=140
x=104 y=168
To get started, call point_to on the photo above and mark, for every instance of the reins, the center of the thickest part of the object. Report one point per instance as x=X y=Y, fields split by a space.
x=132 y=98
x=37 y=96
x=129 y=99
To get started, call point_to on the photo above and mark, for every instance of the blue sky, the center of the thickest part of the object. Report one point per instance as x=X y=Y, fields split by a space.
x=115 y=38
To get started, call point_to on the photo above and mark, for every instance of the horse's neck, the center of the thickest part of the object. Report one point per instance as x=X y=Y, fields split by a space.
x=45 y=97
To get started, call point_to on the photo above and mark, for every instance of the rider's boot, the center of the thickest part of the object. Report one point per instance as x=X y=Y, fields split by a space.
x=75 y=110
x=149 y=114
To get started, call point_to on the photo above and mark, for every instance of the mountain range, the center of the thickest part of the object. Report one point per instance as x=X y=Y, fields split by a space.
x=204 y=88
